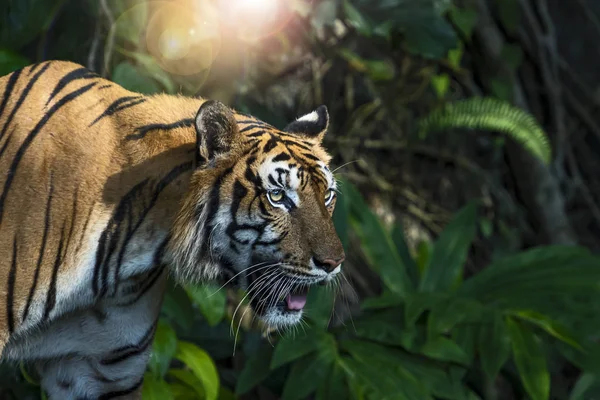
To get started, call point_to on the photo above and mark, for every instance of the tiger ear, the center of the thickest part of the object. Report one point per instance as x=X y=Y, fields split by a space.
x=216 y=130
x=313 y=125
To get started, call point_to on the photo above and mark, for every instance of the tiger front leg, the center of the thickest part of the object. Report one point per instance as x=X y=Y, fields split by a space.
x=77 y=378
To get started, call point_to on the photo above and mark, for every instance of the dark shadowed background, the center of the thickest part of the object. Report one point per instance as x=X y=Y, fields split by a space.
x=466 y=136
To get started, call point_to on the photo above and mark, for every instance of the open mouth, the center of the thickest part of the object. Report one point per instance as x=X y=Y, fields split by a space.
x=281 y=293
x=296 y=300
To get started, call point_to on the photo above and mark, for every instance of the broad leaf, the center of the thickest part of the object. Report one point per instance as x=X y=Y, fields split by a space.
x=445 y=349
x=412 y=270
x=334 y=386
x=450 y=251
x=11 y=61
x=163 y=348
x=306 y=375
x=131 y=78
x=202 y=366
x=290 y=348
x=547 y=324
x=256 y=369
x=530 y=360
x=210 y=299
x=390 y=378
x=425 y=30
x=493 y=345
x=319 y=305
x=377 y=244
x=190 y=380
x=155 y=388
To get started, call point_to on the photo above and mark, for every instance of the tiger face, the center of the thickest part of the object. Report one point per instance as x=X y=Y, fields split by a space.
x=258 y=211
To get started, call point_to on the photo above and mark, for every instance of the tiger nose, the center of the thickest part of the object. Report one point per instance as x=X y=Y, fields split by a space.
x=329 y=264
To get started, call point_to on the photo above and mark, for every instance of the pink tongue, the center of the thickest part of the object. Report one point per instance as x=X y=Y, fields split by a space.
x=295 y=301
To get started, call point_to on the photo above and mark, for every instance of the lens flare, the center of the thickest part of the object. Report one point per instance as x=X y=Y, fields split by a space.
x=184 y=41
x=253 y=20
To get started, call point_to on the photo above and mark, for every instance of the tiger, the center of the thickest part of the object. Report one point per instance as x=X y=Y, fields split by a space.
x=105 y=193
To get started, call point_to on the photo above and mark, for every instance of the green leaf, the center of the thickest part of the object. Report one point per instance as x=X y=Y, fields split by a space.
x=334 y=386
x=341 y=216
x=190 y=380
x=493 y=345
x=356 y=19
x=130 y=21
x=412 y=270
x=290 y=348
x=155 y=388
x=387 y=299
x=21 y=21
x=163 y=349
x=306 y=375
x=465 y=336
x=529 y=358
x=445 y=349
x=445 y=315
x=319 y=305
x=390 y=378
x=210 y=299
x=377 y=244
x=11 y=61
x=450 y=251
x=153 y=69
x=587 y=387
x=178 y=309
x=378 y=70
x=385 y=327
x=529 y=279
x=465 y=20
x=441 y=84
x=255 y=370
x=547 y=324
x=131 y=78
x=493 y=115
x=181 y=391
x=426 y=32
x=201 y=365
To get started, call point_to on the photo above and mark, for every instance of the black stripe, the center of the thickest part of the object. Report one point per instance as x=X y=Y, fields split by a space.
x=7 y=142
x=118 y=105
x=152 y=277
x=143 y=130
x=33 y=68
x=281 y=157
x=104 y=86
x=213 y=207
x=250 y=127
x=10 y=292
x=31 y=136
x=51 y=295
x=112 y=395
x=12 y=80
x=80 y=73
x=85 y=225
x=22 y=98
x=125 y=352
x=42 y=251
x=160 y=186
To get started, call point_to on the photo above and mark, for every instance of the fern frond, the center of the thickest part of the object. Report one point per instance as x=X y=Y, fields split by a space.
x=493 y=115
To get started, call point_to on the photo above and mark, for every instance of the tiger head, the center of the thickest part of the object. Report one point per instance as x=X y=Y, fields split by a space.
x=258 y=211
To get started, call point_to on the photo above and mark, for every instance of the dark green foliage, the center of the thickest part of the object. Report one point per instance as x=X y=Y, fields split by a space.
x=492 y=115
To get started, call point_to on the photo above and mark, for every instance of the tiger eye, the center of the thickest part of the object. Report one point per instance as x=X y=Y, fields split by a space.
x=276 y=195
x=329 y=196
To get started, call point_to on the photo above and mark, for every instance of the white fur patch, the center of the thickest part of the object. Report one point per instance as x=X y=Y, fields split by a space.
x=292 y=182
x=310 y=117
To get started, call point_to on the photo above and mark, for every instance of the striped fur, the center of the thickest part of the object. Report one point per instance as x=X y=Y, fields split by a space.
x=104 y=191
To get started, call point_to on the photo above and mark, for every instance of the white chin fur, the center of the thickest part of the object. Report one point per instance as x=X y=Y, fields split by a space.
x=275 y=318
